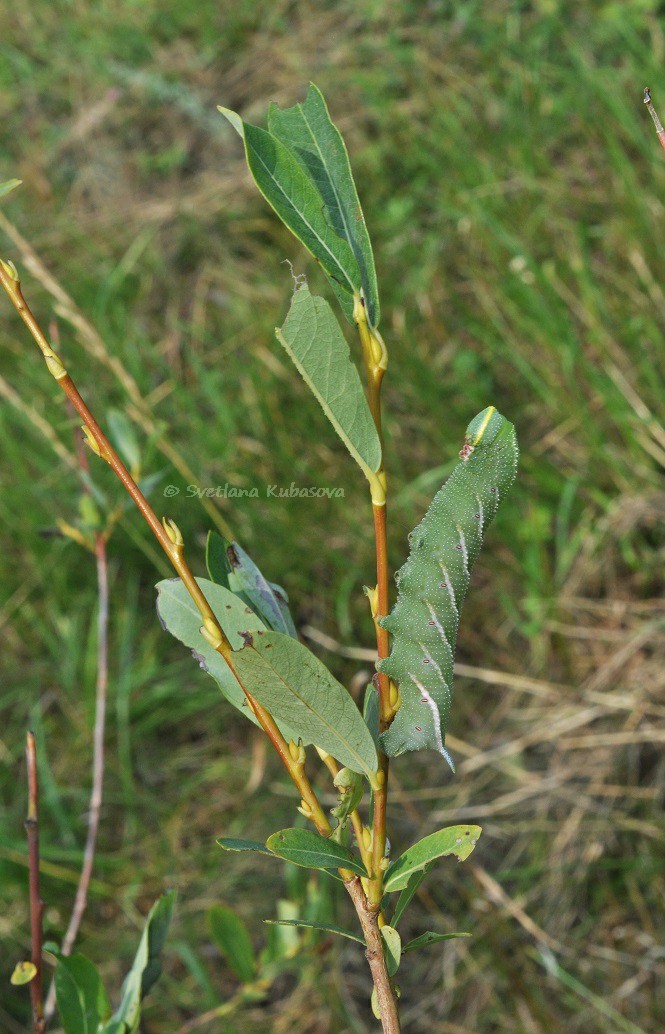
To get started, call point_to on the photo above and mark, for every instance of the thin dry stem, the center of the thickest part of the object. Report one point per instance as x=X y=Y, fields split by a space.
x=81 y=899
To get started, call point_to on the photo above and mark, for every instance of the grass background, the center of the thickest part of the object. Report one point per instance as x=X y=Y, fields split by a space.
x=513 y=187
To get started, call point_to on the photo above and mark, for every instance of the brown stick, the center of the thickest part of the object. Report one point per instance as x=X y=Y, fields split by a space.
x=81 y=899
x=36 y=903
x=376 y=957
x=654 y=116
x=138 y=407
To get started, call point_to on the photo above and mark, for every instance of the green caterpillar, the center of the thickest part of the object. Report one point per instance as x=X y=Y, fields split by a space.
x=434 y=582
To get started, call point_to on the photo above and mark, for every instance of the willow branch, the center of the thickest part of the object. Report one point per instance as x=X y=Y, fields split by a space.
x=170 y=539
x=375 y=358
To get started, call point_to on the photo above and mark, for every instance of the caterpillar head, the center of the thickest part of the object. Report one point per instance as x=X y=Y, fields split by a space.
x=482 y=430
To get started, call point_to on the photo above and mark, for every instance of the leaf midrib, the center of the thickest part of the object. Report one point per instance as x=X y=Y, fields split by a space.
x=331 y=180
x=301 y=214
x=309 y=707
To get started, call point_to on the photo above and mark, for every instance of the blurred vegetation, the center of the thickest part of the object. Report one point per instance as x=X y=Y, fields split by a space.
x=514 y=187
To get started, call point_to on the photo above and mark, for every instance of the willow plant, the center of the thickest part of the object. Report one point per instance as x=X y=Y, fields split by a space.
x=238 y=624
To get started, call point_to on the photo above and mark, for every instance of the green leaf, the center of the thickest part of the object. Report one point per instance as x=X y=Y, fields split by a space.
x=351 y=788
x=23 y=973
x=80 y=995
x=236 y=844
x=246 y=581
x=146 y=966
x=435 y=580
x=180 y=617
x=393 y=944
x=309 y=849
x=310 y=925
x=405 y=898
x=288 y=189
x=229 y=565
x=123 y=436
x=371 y=713
x=309 y=133
x=313 y=338
x=428 y=938
x=457 y=840
x=9 y=185
x=217 y=560
x=231 y=937
x=295 y=687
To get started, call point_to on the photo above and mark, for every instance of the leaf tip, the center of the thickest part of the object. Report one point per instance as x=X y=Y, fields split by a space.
x=234 y=119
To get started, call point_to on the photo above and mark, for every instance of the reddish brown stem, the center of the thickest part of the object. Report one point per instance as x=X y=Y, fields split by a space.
x=656 y=121
x=383 y=605
x=376 y=957
x=385 y=712
x=36 y=903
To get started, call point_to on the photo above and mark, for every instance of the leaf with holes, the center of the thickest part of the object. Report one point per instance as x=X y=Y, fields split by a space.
x=180 y=616
x=229 y=565
x=434 y=582
x=457 y=840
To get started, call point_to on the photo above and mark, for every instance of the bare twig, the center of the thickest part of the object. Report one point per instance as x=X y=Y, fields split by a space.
x=81 y=898
x=36 y=903
x=98 y=741
x=654 y=116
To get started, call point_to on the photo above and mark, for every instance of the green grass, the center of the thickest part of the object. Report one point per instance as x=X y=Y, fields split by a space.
x=514 y=190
